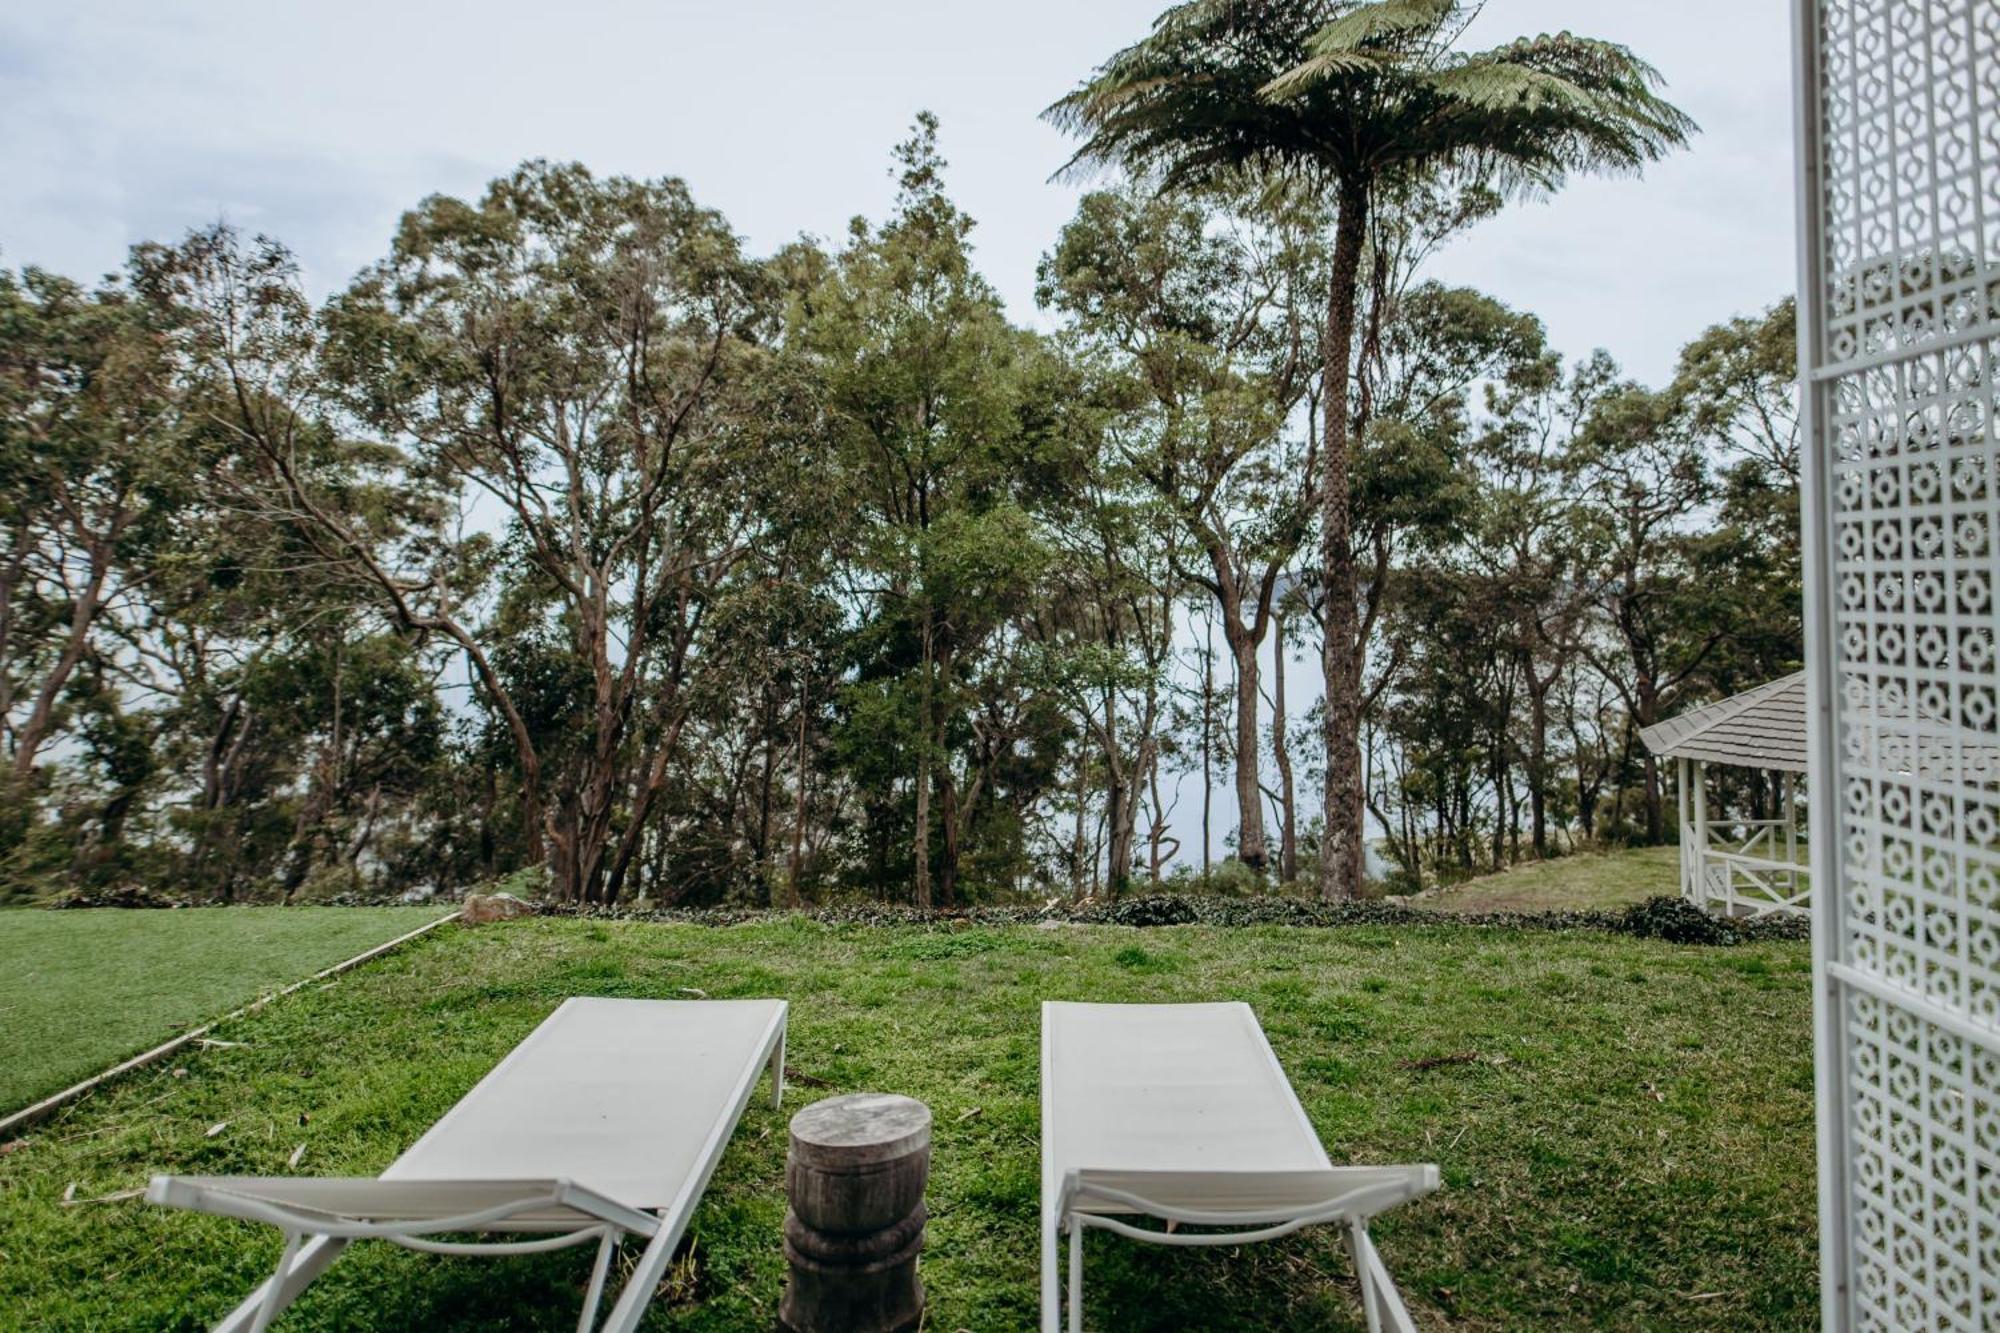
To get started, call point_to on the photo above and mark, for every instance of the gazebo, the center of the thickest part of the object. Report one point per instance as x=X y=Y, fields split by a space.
x=1744 y=867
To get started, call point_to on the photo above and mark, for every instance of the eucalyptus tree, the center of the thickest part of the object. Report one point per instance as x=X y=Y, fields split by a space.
x=1643 y=480
x=1522 y=534
x=313 y=549
x=559 y=350
x=1204 y=311
x=296 y=728
x=1736 y=389
x=569 y=348
x=1343 y=101
x=926 y=394
x=1109 y=624
x=90 y=479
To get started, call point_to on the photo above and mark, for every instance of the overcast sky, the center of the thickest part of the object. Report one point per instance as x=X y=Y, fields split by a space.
x=320 y=123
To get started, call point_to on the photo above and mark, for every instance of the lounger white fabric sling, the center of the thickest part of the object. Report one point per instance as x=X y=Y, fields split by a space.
x=1181 y=1112
x=606 y=1121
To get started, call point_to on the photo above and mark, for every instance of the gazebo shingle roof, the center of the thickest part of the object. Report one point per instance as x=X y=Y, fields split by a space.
x=1760 y=728
x=1766 y=728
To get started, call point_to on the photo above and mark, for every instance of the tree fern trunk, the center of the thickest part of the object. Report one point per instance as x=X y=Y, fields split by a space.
x=1341 y=864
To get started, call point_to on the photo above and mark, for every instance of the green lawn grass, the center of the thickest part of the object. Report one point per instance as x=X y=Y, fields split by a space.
x=1580 y=881
x=81 y=990
x=1625 y=1127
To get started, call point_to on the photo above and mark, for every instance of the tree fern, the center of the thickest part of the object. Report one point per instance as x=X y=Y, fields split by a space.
x=1344 y=100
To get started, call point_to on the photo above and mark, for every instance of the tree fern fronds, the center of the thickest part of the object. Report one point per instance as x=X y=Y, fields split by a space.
x=1317 y=69
x=1510 y=87
x=1383 y=19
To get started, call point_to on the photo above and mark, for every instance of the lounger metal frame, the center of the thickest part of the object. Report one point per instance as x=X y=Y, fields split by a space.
x=568 y=1213
x=1353 y=1195
x=1372 y=1189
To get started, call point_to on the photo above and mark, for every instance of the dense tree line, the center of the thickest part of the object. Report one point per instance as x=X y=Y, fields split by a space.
x=569 y=536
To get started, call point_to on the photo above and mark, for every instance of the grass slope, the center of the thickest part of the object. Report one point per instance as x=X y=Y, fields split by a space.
x=81 y=990
x=1625 y=1127
x=1577 y=882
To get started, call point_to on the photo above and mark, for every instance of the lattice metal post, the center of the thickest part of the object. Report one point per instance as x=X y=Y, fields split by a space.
x=1899 y=308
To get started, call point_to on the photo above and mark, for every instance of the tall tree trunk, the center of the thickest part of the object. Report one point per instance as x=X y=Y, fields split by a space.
x=1281 y=750
x=765 y=788
x=34 y=732
x=1538 y=762
x=1500 y=784
x=1251 y=847
x=948 y=817
x=1125 y=822
x=1656 y=830
x=1079 y=879
x=796 y=862
x=1122 y=788
x=921 y=850
x=1342 y=864
x=650 y=786
x=1207 y=742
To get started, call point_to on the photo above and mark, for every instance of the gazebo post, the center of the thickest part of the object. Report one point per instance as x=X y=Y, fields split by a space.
x=1688 y=887
x=1698 y=793
x=1792 y=829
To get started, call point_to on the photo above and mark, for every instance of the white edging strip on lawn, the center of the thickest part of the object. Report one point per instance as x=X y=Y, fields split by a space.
x=29 y=1115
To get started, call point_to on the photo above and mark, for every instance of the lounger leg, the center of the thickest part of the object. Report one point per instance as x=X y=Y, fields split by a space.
x=595 y=1292
x=646 y=1274
x=274 y=1290
x=778 y=1074
x=1051 y=1278
x=309 y=1263
x=1075 y=1276
x=1358 y=1246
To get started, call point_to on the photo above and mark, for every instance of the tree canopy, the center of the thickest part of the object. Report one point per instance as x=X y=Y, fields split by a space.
x=572 y=540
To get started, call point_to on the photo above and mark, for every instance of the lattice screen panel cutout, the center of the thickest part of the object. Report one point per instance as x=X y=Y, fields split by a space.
x=1900 y=309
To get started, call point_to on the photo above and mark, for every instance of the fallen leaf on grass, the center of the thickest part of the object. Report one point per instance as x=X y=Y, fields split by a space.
x=973 y=1114
x=216 y=1128
x=69 y=1195
x=695 y=991
x=292 y=1162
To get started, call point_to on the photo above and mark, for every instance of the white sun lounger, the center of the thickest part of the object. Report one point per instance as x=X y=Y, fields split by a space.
x=1181 y=1112
x=606 y=1121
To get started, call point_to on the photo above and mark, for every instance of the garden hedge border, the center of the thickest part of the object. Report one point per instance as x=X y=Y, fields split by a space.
x=1664 y=918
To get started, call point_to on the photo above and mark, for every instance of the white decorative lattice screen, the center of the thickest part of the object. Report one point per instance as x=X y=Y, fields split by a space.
x=1900 y=345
